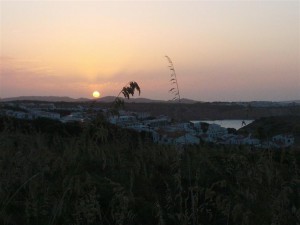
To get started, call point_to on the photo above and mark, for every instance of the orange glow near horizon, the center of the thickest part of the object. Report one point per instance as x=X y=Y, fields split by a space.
x=221 y=50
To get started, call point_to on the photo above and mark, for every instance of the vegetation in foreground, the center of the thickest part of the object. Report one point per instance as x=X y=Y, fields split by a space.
x=53 y=173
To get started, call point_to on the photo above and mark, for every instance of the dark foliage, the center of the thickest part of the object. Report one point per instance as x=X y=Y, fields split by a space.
x=53 y=173
x=127 y=91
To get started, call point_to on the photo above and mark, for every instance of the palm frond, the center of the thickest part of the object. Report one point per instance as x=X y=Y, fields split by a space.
x=127 y=90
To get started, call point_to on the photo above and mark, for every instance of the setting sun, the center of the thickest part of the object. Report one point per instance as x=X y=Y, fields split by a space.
x=96 y=94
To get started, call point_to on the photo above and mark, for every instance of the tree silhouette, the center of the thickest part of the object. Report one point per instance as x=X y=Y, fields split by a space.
x=127 y=90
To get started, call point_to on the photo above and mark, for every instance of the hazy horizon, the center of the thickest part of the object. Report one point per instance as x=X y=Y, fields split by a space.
x=222 y=50
x=137 y=97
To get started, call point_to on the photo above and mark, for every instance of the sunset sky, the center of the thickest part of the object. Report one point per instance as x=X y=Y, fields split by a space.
x=221 y=50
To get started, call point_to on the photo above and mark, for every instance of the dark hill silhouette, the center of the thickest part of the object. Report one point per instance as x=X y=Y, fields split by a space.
x=131 y=100
x=45 y=99
x=274 y=125
x=107 y=99
x=104 y=99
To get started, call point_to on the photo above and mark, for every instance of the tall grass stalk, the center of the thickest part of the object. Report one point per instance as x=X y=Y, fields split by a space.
x=174 y=81
x=5 y=204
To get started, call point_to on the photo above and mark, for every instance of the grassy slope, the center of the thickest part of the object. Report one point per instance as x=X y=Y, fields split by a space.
x=100 y=174
x=274 y=125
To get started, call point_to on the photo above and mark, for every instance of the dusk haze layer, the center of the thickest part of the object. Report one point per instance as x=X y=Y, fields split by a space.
x=221 y=50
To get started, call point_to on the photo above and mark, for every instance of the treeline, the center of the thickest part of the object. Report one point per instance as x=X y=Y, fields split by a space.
x=54 y=173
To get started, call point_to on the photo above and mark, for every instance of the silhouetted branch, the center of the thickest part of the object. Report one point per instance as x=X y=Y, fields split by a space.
x=127 y=90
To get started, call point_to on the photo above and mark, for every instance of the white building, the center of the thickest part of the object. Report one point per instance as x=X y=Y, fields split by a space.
x=122 y=120
x=48 y=115
x=215 y=131
x=74 y=117
x=159 y=122
x=142 y=115
x=139 y=127
x=19 y=115
x=282 y=141
x=251 y=141
x=187 y=139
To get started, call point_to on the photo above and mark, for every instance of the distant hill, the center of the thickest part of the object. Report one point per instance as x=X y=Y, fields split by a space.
x=131 y=100
x=279 y=103
x=188 y=101
x=144 y=100
x=45 y=99
x=291 y=102
x=105 y=99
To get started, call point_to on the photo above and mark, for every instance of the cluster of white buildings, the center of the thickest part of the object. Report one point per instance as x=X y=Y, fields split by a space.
x=165 y=132
x=161 y=128
x=31 y=111
x=32 y=114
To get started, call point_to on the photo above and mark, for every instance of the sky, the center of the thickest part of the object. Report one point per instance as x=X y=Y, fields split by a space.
x=221 y=50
